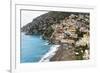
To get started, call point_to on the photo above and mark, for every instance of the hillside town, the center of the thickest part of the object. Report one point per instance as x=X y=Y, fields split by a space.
x=73 y=38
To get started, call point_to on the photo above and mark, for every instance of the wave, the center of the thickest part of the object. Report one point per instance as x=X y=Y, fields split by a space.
x=50 y=54
x=46 y=43
x=40 y=37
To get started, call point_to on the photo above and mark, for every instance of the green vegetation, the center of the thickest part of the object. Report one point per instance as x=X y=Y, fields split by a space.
x=48 y=32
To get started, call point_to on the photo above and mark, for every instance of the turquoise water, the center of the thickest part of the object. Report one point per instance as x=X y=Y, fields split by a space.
x=33 y=48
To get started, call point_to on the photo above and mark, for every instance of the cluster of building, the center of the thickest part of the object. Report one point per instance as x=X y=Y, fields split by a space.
x=72 y=32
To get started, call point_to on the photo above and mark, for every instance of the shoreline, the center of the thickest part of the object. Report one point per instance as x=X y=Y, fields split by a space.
x=50 y=53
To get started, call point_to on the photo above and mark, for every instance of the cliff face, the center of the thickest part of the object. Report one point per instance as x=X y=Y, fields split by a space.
x=69 y=30
x=41 y=23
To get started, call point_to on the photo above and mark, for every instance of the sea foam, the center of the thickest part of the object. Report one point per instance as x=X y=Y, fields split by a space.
x=50 y=54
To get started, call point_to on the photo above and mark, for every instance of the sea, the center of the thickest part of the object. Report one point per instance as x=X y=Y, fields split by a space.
x=33 y=48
